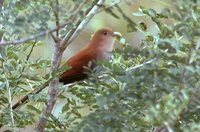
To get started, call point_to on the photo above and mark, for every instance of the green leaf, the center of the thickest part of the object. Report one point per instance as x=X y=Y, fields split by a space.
x=75 y=112
x=65 y=108
x=34 y=109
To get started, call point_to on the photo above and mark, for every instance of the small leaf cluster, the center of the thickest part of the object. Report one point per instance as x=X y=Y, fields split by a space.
x=19 y=75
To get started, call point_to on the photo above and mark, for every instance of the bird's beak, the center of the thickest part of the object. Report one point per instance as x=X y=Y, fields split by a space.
x=119 y=37
x=116 y=34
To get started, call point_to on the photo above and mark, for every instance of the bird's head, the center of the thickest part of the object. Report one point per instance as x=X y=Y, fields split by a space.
x=104 y=38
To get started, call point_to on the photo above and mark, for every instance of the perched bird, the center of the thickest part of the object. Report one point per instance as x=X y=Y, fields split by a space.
x=99 y=47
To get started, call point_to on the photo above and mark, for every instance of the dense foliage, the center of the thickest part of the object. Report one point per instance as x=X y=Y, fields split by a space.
x=154 y=87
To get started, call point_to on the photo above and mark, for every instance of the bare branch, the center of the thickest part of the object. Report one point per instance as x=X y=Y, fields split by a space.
x=140 y=65
x=109 y=8
x=81 y=24
x=131 y=23
x=79 y=8
x=56 y=15
x=53 y=37
x=52 y=91
x=35 y=91
x=23 y=40
x=27 y=58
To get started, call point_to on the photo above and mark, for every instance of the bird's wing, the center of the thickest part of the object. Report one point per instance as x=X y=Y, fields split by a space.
x=77 y=63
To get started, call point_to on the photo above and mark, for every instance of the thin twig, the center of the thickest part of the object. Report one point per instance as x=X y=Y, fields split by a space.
x=79 y=8
x=32 y=37
x=27 y=58
x=131 y=23
x=74 y=33
x=57 y=18
x=76 y=11
x=141 y=65
x=64 y=42
x=56 y=15
x=53 y=37
x=109 y=8
x=35 y=91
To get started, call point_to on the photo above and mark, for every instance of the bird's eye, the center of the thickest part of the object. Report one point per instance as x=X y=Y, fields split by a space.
x=105 y=33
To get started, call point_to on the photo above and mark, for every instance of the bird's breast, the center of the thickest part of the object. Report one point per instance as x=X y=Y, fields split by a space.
x=106 y=55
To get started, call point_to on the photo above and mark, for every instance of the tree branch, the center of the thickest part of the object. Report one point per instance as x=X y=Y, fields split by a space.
x=23 y=40
x=35 y=91
x=52 y=91
x=56 y=15
x=81 y=24
x=140 y=65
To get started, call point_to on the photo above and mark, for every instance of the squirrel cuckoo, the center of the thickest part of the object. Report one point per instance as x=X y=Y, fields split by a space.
x=99 y=47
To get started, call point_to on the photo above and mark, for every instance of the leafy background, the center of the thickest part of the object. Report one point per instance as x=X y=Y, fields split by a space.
x=150 y=84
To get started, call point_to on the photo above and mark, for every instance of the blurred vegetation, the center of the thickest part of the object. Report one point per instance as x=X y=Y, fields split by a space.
x=151 y=88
